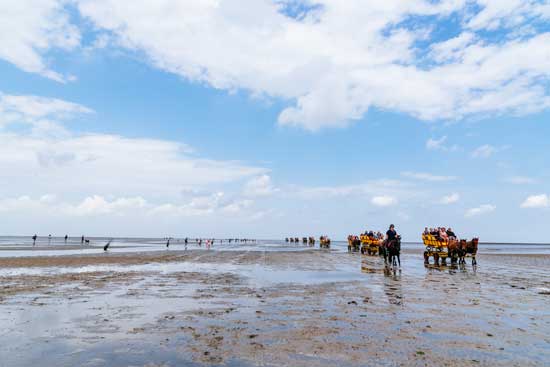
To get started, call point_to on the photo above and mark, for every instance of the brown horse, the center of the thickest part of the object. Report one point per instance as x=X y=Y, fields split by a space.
x=468 y=247
x=453 y=250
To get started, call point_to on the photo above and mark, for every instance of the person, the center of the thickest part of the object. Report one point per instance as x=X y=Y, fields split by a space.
x=66 y=237
x=391 y=234
x=426 y=231
x=34 y=239
x=451 y=234
x=443 y=234
x=82 y=240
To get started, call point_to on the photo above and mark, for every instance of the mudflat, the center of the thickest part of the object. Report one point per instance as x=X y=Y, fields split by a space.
x=272 y=308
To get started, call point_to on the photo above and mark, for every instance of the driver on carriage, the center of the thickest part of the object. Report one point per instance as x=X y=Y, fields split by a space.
x=391 y=234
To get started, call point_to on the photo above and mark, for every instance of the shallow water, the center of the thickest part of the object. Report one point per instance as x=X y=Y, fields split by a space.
x=23 y=246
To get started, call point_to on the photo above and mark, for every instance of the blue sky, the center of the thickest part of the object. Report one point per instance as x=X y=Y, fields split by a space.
x=275 y=118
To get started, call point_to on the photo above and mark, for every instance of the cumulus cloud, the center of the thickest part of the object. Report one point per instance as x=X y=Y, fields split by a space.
x=536 y=201
x=427 y=176
x=39 y=112
x=100 y=164
x=259 y=186
x=31 y=28
x=450 y=199
x=480 y=210
x=97 y=205
x=384 y=201
x=331 y=63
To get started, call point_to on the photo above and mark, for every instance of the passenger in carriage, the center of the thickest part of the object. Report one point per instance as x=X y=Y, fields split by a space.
x=426 y=231
x=443 y=234
x=434 y=232
x=451 y=234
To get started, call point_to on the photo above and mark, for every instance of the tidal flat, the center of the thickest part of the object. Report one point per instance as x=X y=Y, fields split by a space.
x=267 y=305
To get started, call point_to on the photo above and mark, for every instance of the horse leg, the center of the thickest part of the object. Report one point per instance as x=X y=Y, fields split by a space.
x=474 y=261
x=436 y=259
x=426 y=258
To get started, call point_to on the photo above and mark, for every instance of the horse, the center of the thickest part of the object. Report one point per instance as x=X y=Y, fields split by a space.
x=393 y=251
x=468 y=247
x=453 y=251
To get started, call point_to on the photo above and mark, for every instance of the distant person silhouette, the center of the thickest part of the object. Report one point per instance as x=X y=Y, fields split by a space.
x=34 y=239
x=66 y=237
x=168 y=243
x=82 y=240
x=106 y=247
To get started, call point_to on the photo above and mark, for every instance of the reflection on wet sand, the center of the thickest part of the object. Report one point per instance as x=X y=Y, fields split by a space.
x=392 y=285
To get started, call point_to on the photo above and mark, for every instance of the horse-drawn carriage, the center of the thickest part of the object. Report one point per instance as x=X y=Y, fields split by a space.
x=455 y=250
x=370 y=245
x=354 y=243
x=324 y=242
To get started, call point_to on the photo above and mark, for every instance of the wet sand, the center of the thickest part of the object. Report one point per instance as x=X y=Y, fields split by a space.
x=272 y=308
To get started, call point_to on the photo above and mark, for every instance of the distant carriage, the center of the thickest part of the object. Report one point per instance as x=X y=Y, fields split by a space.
x=370 y=245
x=455 y=250
x=354 y=243
x=324 y=242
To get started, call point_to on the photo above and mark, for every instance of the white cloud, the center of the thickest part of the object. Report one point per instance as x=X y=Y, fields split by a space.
x=259 y=186
x=508 y=13
x=452 y=49
x=480 y=210
x=39 y=112
x=30 y=28
x=331 y=64
x=450 y=199
x=436 y=144
x=427 y=176
x=373 y=187
x=96 y=204
x=384 y=201
x=536 y=201
x=520 y=180
x=99 y=164
x=485 y=151
x=441 y=145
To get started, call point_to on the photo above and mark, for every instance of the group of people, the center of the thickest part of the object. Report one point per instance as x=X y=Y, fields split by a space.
x=374 y=235
x=441 y=233
x=66 y=238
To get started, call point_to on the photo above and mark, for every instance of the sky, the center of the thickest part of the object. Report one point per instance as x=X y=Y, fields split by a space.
x=275 y=118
